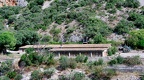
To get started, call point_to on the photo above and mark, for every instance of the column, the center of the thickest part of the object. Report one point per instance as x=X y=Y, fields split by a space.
x=59 y=54
x=91 y=54
x=69 y=54
x=80 y=53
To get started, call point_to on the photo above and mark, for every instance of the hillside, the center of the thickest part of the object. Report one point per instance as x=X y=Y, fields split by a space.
x=73 y=21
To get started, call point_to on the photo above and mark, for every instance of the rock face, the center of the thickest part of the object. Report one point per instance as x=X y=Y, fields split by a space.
x=21 y=3
x=8 y=3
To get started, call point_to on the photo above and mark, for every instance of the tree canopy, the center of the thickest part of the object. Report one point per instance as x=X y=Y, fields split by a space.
x=136 y=39
x=7 y=40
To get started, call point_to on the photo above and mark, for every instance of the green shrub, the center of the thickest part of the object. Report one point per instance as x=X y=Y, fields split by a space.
x=112 y=62
x=135 y=38
x=18 y=77
x=29 y=50
x=36 y=75
x=78 y=76
x=11 y=74
x=48 y=59
x=72 y=63
x=5 y=67
x=81 y=58
x=99 y=62
x=132 y=3
x=120 y=60
x=64 y=62
x=112 y=51
x=123 y=27
x=103 y=74
x=109 y=6
x=131 y=61
x=49 y=72
x=4 y=78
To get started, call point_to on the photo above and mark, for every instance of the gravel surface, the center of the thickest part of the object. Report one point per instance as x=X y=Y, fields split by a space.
x=126 y=76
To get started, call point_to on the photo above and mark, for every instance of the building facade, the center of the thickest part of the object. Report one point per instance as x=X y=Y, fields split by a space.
x=71 y=50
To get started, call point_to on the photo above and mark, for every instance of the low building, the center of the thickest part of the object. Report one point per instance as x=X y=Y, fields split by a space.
x=92 y=50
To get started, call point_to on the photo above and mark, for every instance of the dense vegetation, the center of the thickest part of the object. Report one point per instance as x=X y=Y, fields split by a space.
x=26 y=22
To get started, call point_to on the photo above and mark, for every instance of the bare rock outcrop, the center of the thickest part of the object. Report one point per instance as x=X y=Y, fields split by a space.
x=21 y=3
x=8 y=3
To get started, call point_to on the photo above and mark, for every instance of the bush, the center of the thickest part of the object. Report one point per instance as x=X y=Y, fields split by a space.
x=29 y=50
x=36 y=75
x=123 y=27
x=4 y=78
x=112 y=62
x=18 y=77
x=120 y=60
x=49 y=72
x=64 y=62
x=103 y=74
x=78 y=76
x=5 y=67
x=112 y=51
x=99 y=62
x=48 y=59
x=132 y=3
x=73 y=76
x=11 y=74
x=72 y=64
x=81 y=58
x=135 y=38
x=131 y=61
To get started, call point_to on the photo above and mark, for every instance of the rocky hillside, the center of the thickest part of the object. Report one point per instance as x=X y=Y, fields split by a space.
x=73 y=21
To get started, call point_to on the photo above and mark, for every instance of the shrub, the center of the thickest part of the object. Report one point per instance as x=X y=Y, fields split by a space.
x=11 y=74
x=18 y=77
x=48 y=59
x=112 y=51
x=112 y=62
x=103 y=74
x=49 y=72
x=131 y=61
x=123 y=27
x=5 y=67
x=4 y=78
x=72 y=63
x=78 y=76
x=132 y=3
x=29 y=50
x=64 y=62
x=120 y=60
x=134 y=39
x=81 y=58
x=36 y=75
x=99 y=62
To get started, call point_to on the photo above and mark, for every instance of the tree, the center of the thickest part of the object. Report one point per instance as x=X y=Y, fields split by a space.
x=136 y=39
x=99 y=39
x=7 y=40
x=123 y=27
x=25 y=37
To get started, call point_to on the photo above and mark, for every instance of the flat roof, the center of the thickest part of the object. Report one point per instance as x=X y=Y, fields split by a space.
x=77 y=49
x=69 y=46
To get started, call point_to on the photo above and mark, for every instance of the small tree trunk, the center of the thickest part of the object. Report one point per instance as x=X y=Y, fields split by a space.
x=4 y=50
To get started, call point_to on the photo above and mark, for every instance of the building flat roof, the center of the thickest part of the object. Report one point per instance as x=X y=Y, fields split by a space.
x=69 y=46
x=77 y=49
